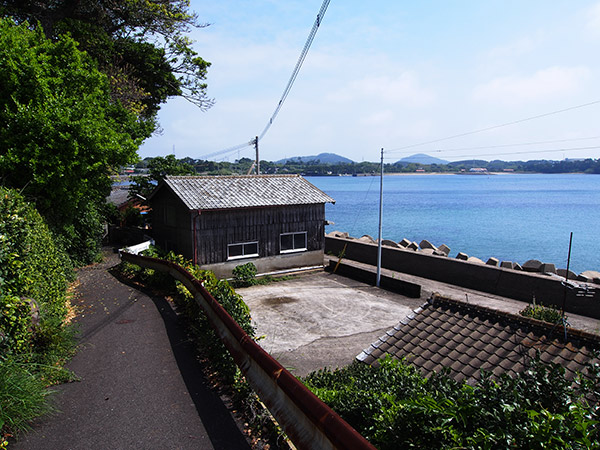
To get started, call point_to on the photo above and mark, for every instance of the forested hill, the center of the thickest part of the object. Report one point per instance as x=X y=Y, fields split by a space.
x=309 y=168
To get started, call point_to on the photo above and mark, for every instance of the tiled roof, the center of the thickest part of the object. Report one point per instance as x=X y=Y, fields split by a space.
x=467 y=338
x=226 y=192
x=118 y=196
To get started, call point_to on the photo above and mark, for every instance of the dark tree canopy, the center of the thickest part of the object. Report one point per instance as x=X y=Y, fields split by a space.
x=158 y=168
x=62 y=135
x=140 y=44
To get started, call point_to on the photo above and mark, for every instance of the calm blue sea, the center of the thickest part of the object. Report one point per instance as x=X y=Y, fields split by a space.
x=512 y=217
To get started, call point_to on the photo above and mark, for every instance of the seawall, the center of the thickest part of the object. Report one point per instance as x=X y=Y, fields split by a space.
x=550 y=290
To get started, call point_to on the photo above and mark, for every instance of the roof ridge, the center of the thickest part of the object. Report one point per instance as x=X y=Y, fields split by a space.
x=266 y=175
x=573 y=332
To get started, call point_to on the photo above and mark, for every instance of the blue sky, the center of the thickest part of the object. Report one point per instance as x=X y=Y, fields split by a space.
x=394 y=75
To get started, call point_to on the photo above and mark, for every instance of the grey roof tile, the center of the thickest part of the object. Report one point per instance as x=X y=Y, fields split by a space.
x=467 y=338
x=229 y=192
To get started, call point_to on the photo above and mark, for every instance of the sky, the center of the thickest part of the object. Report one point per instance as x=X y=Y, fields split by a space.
x=409 y=77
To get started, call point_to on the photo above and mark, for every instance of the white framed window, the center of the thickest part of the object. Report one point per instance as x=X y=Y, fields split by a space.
x=292 y=242
x=242 y=250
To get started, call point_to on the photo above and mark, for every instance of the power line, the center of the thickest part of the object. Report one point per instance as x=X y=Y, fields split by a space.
x=449 y=150
x=228 y=150
x=539 y=116
x=288 y=87
x=527 y=152
x=299 y=63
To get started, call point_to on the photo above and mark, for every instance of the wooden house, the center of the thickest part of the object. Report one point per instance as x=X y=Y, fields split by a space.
x=275 y=221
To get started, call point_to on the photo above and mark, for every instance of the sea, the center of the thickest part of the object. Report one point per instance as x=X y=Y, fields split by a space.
x=512 y=217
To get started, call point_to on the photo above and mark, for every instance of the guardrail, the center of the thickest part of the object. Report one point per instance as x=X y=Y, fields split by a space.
x=308 y=422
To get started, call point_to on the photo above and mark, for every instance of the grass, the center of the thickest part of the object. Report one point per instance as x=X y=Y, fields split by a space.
x=23 y=396
x=25 y=381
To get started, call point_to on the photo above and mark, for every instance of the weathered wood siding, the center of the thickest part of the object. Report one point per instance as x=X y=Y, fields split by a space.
x=174 y=226
x=171 y=223
x=216 y=229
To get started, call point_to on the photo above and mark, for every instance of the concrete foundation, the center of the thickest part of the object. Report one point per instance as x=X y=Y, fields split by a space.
x=269 y=264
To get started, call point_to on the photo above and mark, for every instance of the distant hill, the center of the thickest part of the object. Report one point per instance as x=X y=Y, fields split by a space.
x=421 y=158
x=470 y=163
x=325 y=158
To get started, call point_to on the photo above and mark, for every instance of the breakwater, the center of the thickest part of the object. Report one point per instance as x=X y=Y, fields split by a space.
x=521 y=282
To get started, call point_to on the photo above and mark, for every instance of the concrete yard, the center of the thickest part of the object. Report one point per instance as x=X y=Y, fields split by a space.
x=319 y=319
x=322 y=320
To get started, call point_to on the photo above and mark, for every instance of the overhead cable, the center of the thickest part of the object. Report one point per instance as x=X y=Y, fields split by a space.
x=227 y=150
x=301 y=59
x=526 y=152
x=495 y=126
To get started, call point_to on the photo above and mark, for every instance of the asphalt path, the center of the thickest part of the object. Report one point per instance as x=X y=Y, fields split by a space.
x=140 y=385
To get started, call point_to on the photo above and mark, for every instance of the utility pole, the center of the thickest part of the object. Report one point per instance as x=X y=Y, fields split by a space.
x=377 y=283
x=257 y=158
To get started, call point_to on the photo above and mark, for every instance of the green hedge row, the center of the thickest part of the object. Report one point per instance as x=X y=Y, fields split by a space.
x=34 y=339
x=395 y=407
x=34 y=276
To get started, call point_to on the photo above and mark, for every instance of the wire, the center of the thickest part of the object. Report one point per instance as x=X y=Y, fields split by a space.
x=523 y=152
x=495 y=126
x=288 y=87
x=449 y=150
x=227 y=150
x=299 y=63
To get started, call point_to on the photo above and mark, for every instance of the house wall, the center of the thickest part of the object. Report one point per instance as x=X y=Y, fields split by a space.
x=509 y=283
x=270 y=263
x=171 y=223
x=216 y=229
x=173 y=226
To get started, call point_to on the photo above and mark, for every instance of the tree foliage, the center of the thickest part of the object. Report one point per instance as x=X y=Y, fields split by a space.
x=62 y=134
x=158 y=168
x=140 y=44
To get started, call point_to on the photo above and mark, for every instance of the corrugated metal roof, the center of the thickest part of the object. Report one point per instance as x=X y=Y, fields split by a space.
x=228 y=192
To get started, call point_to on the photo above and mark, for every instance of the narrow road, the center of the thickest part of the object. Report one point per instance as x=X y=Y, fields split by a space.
x=140 y=386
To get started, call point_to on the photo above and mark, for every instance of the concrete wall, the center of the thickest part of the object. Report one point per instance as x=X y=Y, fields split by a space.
x=509 y=283
x=269 y=263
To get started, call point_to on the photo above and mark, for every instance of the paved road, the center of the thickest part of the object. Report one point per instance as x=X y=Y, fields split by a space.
x=141 y=386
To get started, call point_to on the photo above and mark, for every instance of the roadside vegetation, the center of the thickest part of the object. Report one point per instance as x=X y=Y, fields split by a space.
x=395 y=407
x=222 y=369
x=35 y=338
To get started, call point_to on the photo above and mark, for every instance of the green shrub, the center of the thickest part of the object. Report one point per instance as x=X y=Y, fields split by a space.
x=221 y=290
x=32 y=265
x=394 y=406
x=244 y=274
x=34 y=341
x=16 y=328
x=545 y=313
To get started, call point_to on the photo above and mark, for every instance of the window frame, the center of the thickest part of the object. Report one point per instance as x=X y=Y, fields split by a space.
x=244 y=255
x=294 y=249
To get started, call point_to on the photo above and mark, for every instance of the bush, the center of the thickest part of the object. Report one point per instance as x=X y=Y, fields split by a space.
x=244 y=275
x=394 y=406
x=31 y=266
x=540 y=312
x=34 y=341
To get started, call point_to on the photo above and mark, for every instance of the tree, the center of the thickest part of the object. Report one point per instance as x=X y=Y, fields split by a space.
x=62 y=132
x=158 y=169
x=141 y=45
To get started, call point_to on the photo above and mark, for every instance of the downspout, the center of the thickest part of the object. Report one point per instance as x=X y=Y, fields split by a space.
x=195 y=239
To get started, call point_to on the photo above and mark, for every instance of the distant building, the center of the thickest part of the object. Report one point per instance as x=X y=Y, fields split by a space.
x=275 y=221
